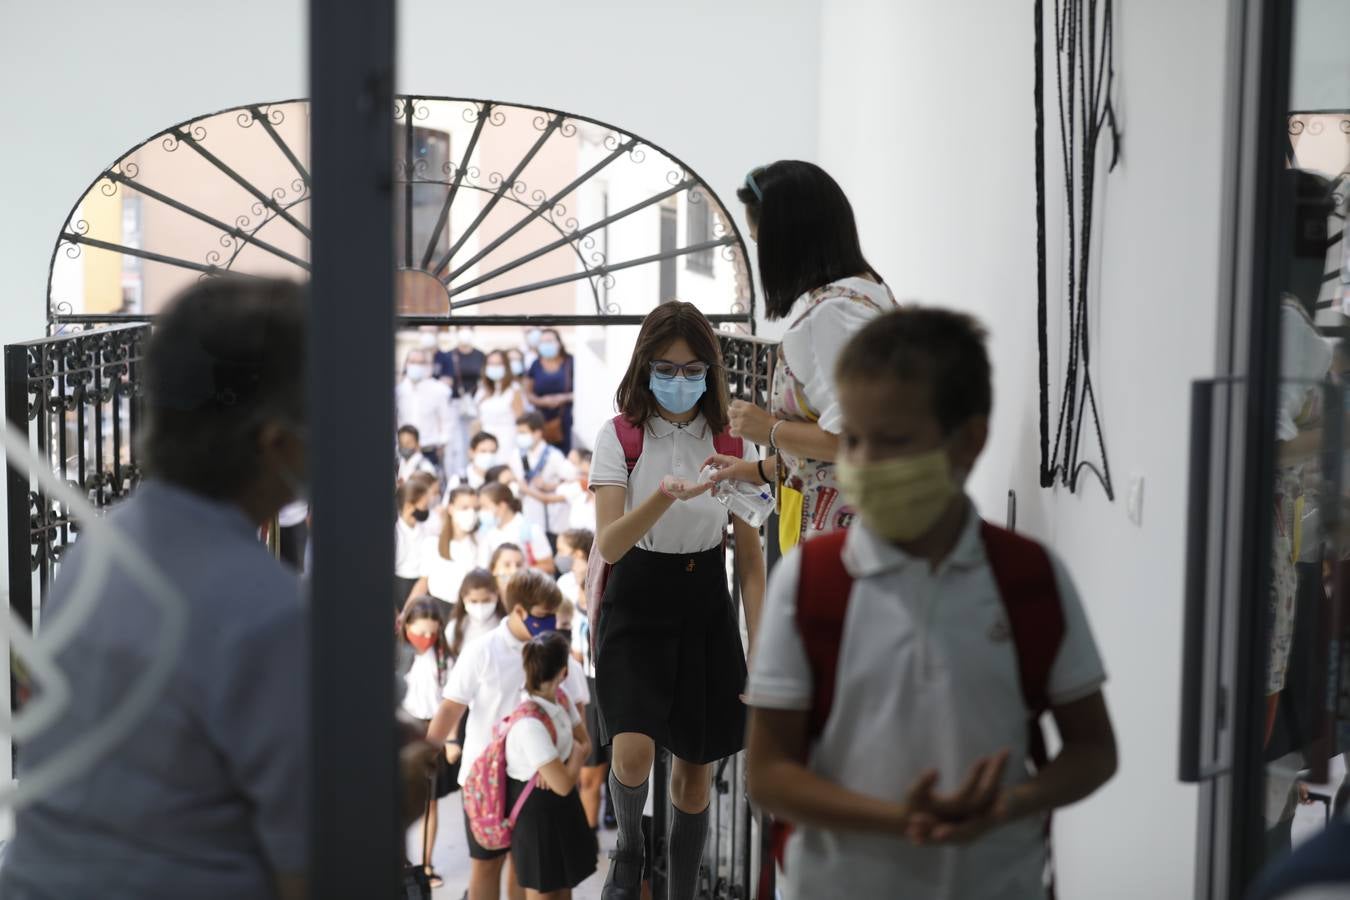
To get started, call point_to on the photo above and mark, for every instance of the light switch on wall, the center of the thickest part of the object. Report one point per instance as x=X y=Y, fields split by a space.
x=1134 y=500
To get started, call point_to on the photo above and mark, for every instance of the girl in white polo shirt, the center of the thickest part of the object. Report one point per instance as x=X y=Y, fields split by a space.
x=669 y=663
x=553 y=847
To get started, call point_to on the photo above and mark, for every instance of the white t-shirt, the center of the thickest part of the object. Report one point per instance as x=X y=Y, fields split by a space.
x=581 y=506
x=528 y=746
x=567 y=584
x=497 y=416
x=409 y=467
x=927 y=676
x=581 y=641
x=812 y=346
x=425 y=405
x=410 y=546
x=488 y=678
x=444 y=576
x=689 y=526
x=552 y=468
x=526 y=535
x=423 y=682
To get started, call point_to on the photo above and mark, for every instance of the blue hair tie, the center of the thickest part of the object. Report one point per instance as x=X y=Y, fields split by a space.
x=754 y=188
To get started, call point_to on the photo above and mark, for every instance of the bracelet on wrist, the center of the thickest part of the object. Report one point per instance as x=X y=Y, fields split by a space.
x=759 y=464
x=773 y=434
x=663 y=490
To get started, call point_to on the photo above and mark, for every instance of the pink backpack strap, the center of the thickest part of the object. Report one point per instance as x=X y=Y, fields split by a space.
x=630 y=439
x=529 y=710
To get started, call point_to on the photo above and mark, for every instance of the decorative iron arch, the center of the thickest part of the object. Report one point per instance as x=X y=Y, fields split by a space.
x=237 y=202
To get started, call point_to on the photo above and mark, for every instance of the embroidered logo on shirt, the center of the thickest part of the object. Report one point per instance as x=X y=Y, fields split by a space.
x=1000 y=632
x=690 y=567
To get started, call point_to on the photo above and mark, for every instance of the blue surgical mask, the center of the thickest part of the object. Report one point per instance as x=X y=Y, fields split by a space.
x=538 y=625
x=679 y=394
x=487 y=521
x=549 y=349
x=517 y=367
x=495 y=372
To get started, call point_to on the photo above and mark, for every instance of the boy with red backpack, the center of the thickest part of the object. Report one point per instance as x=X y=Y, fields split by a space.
x=919 y=649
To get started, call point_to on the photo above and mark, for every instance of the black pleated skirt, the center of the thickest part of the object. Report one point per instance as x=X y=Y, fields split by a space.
x=669 y=660
x=553 y=847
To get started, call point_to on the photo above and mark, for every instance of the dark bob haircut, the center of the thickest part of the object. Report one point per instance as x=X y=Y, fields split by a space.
x=942 y=349
x=807 y=235
x=664 y=325
x=227 y=357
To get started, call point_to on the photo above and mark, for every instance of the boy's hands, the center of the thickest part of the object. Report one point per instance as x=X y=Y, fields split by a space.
x=979 y=804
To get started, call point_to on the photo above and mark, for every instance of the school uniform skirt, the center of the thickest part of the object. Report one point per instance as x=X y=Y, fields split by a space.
x=669 y=662
x=552 y=846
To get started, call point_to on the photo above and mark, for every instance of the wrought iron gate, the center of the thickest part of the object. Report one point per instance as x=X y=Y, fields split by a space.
x=77 y=397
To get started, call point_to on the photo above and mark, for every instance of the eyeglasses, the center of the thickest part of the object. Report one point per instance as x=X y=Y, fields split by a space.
x=666 y=370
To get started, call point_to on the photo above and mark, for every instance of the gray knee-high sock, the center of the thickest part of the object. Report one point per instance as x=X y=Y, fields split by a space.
x=628 y=803
x=688 y=834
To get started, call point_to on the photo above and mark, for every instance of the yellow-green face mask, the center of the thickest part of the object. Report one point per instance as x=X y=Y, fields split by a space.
x=902 y=498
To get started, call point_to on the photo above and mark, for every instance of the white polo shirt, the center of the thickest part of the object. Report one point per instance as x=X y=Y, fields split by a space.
x=526 y=535
x=425 y=405
x=691 y=526
x=528 y=746
x=927 y=678
x=410 y=547
x=553 y=468
x=488 y=678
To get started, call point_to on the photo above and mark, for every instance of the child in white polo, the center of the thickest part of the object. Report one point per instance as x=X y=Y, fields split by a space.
x=891 y=728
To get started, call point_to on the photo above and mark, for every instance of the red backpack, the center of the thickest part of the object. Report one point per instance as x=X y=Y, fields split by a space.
x=1026 y=585
x=597 y=570
x=485 y=788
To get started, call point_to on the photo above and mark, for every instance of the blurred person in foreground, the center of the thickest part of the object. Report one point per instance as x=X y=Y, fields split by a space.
x=207 y=796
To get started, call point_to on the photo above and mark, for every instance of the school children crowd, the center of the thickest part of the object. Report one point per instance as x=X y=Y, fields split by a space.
x=563 y=616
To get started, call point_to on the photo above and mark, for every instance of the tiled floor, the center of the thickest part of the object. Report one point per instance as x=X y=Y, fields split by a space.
x=451 y=855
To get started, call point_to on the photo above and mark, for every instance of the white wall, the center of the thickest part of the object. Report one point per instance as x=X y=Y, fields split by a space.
x=927 y=120
x=86 y=81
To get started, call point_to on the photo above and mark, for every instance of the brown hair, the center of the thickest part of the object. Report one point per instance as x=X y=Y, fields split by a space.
x=429 y=608
x=447 y=532
x=943 y=349
x=532 y=421
x=410 y=492
x=497 y=554
x=530 y=588
x=663 y=325
x=498 y=493
x=475 y=580
x=582 y=539
x=426 y=479
x=545 y=657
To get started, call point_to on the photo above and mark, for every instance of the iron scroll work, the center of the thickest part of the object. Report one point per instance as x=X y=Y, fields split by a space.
x=78 y=397
x=510 y=210
x=1084 y=71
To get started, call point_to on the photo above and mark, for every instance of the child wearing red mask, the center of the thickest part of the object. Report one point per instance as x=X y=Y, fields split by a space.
x=426 y=663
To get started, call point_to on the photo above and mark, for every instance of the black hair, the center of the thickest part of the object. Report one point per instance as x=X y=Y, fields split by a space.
x=497 y=493
x=482 y=438
x=1304 y=202
x=545 y=658
x=494 y=475
x=943 y=349
x=412 y=430
x=227 y=356
x=807 y=234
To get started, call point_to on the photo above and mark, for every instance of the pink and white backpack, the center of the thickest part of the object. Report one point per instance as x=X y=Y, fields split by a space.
x=485 y=788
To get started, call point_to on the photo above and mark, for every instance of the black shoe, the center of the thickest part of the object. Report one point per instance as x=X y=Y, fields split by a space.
x=613 y=890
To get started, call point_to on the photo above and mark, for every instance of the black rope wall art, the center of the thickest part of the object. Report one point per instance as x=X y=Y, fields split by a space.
x=1084 y=72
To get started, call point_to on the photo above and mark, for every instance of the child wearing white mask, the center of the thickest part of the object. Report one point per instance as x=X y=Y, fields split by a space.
x=455 y=550
x=546 y=470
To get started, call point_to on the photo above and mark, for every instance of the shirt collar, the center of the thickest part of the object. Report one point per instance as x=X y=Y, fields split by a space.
x=512 y=642
x=658 y=427
x=867 y=554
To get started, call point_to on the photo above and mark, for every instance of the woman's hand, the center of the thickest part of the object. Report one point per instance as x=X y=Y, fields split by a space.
x=730 y=468
x=682 y=489
x=750 y=422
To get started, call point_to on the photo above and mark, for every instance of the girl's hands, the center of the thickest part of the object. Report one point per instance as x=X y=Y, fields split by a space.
x=683 y=489
x=731 y=468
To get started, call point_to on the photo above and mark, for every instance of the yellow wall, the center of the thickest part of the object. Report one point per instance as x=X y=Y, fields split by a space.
x=102 y=270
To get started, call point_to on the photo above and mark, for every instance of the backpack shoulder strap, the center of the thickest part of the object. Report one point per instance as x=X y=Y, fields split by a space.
x=727 y=445
x=630 y=439
x=823 y=590
x=1030 y=595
